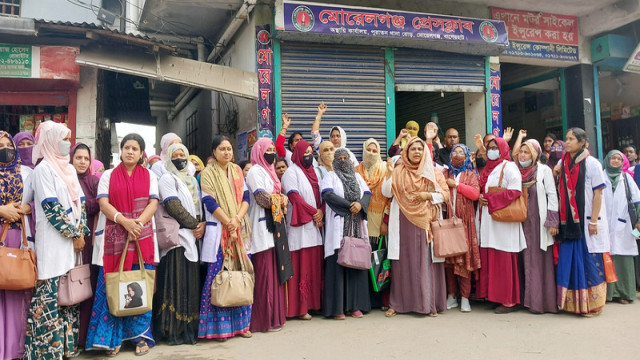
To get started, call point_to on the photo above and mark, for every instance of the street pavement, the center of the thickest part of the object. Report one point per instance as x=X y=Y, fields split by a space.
x=480 y=334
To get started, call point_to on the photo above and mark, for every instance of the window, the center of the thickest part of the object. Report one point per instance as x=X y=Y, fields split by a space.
x=192 y=133
x=10 y=7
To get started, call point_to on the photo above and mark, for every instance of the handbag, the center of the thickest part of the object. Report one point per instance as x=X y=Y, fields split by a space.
x=75 y=286
x=380 y=269
x=516 y=211
x=354 y=253
x=449 y=236
x=633 y=216
x=130 y=292
x=18 y=267
x=166 y=229
x=232 y=287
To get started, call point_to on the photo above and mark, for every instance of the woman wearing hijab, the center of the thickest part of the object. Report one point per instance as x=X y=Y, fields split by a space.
x=81 y=161
x=537 y=282
x=346 y=193
x=226 y=199
x=556 y=152
x=128 y=198
x=16 y=192
x=463 y=182
x=326 y=152
x=372 y=169
x=52 y=330
x=584 y=233
x=620 y=188
x=268 y=229
x=177 y=299
x=167 y=140
x=339 y=139
x=413 y=128
x=25 y=142
x=501 y=241
x=197 y=164
x=304 y=223
x=416 y=186
x=97 y=168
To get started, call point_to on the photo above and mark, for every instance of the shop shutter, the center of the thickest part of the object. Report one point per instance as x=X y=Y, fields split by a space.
x=422 y=70
x=350 y=81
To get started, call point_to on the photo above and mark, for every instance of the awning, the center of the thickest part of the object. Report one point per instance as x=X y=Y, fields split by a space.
x=172 y=69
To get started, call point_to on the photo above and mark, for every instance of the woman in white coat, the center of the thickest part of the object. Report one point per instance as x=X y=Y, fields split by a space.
x=619 y=191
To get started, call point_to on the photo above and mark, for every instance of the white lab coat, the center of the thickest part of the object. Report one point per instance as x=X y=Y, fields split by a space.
x=622 y=241
x=258 y=179
x=307 y=235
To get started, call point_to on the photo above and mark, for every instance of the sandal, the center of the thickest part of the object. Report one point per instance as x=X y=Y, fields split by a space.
x=305 y=317
x=433 y=314
x=113 y=353
x=390 y=313
x=339 y=317
x=141 y=345
x=246 y=334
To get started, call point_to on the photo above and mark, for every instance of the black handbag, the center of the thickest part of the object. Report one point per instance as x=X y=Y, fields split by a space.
x=630 y=205
x=380 y=270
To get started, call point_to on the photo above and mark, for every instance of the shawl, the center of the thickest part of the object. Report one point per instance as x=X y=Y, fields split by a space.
x=373 y=175
x=409 y=179
x=613 y=172
x=309 y=171
x=195 y=158
x=227 y=188
x=165 y=141
x=529 y=173
x=467 y=165
x=347 y=175
x=491 y=164
x=556 y=153
x=183 y=174
x=48 y=136
x=327 y=163
x=257 y=158
x=571 y=188
x=130 y=196
x=25 y=152
x=413 y=133
x=11 y=185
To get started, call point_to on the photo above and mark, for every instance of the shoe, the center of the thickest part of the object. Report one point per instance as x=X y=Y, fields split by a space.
x=465 y=306
x=506 y=309
x=339 y=317
x=305 y=317
x=357 y=314
x=276 y=329
x=451 y=302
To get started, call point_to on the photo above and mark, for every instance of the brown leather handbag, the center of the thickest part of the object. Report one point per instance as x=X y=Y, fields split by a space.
x=18 y=267
x=449 y=236
x=514 y=212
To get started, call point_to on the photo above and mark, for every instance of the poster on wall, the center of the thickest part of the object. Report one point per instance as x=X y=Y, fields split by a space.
x=539 y=35
x=243 y=146
x=496 y=102
x=264 y=60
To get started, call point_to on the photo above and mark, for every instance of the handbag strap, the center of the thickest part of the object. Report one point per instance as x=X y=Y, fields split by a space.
x=5 y=231
x=124 y=255
x=501 y=175
x=380 y=242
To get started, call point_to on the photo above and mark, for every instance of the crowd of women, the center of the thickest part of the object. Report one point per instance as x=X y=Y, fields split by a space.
x=288 y=210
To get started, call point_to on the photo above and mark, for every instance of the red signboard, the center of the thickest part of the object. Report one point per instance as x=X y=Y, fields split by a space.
x=538 y=26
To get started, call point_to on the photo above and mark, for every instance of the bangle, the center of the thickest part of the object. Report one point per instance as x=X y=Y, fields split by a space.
x=115 y=217
x=238 y=217
x=137 y=221
x=591 y=223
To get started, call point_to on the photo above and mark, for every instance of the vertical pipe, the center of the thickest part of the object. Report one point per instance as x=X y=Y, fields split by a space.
x=487 y=92
x=390 y=93
x=277 y=84
x=596 y=102
x=563 y=100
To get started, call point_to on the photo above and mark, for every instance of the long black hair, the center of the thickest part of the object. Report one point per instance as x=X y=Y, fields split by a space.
x=137 y=138
x=291 y=137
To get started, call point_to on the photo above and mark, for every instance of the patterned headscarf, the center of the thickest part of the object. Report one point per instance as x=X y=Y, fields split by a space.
x=347 y=174
x=11 y=185
x=25 y=152
x=183 y=174
x=257 y=158
x=467 y=165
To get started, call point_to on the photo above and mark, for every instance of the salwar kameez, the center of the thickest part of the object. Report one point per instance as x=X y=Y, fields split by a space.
x=220 y=322
x=304 y=289
x=581 y=286
x=625 y=287
x=269 y=307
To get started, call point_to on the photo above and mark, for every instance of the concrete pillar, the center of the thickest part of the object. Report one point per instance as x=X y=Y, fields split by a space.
x=581 y=102
x=87 y=107
x=474 y=117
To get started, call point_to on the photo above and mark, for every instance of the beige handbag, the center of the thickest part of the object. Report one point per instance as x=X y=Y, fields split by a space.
x=130 y=292
x=232 y=287
x=75 y=286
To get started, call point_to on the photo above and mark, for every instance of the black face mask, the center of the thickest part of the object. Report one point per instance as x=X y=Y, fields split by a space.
x=307 y=160
x=481 y=162
x=7 y=155
x=179 y=163
x=270 y=157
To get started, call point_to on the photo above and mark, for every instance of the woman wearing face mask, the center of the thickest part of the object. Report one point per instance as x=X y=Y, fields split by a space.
x=620 y=187
x=418 y=283
x=198 y=165
x=226 y=199
x=346 y=193
x=81 y=161
x=463 y=182
x=177 y=299
x=537 y=282
x=167 y=140
x=268 y=229
x=556 y=152
x=326 y=152
x=304 y=225
x=584 y=232
x=15 y=194
x=500 y=241
x=25 y=142
x=413 y=128
x=52 y=330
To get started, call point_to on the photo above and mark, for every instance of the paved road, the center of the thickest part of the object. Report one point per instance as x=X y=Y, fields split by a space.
x=452 y=335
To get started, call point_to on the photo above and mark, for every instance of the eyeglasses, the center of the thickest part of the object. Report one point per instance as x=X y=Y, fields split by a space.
x=556 y=148
x=492 y=148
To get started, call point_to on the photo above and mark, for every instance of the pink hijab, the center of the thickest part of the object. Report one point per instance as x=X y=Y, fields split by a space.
x=48 y=136
x=95 y=165
x=257 y=158
x=166 y=140
x=626 y=165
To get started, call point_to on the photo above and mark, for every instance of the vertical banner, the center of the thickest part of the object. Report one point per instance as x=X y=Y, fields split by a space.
x=496 y=102
x=264 y=60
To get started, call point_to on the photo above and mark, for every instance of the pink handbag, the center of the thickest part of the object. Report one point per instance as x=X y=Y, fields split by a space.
x=355 y=253
x=166 y=229
x=75 y=286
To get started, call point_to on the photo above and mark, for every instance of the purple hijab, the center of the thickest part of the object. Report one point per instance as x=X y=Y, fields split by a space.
x=25 y=153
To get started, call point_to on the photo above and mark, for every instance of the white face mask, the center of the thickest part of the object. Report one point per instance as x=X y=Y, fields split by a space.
x=493 y=154
x=64 y=147
x=526 y=164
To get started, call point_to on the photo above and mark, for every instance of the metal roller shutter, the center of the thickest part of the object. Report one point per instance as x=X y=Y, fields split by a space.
x=421 y=70
x=349 y=80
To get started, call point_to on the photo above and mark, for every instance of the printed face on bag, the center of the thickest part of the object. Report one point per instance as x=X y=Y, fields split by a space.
x=133 y=295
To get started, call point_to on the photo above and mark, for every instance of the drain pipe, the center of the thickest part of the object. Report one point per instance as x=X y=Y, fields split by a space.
x=230 y=31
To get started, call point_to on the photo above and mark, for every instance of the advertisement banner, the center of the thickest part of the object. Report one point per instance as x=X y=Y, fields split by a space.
x=633 y=64
x=496 y=102
x=264 y=53
x=380 y=23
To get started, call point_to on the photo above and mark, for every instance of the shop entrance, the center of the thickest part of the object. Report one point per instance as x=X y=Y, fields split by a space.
x=422 y=106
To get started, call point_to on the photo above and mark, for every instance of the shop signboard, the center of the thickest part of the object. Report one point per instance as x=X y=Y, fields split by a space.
x=540 y=35
x=39 y=62
x=328 y=19
x=264 y=53
x=496 y=102
x=16 y=60
x=633 y=64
